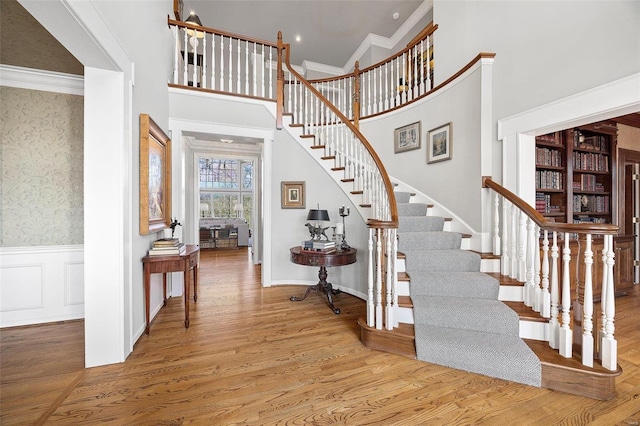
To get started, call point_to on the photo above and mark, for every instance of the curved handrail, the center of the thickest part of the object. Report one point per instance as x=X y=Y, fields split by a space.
x=393 y=208
x=219 y=32
x=542 y=222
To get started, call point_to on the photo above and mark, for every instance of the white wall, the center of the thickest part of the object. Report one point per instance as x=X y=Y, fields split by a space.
x=545 y=50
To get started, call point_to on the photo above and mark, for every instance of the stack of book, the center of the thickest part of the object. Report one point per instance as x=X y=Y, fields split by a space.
x=167 y=247
x=321 y=246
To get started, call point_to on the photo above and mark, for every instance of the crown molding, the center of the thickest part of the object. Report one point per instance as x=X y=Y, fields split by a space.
x=47 y=81
x=388 y=42
x=323 y=68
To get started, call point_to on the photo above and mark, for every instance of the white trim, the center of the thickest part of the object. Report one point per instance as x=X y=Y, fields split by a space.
x=47 y=81
x=609 y=100
x=388 y=42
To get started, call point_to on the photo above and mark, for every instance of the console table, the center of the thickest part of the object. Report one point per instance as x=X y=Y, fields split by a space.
x=323 y=260
x=172 y=263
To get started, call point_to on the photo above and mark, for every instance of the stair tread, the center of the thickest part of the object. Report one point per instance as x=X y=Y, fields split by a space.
x=525 y=312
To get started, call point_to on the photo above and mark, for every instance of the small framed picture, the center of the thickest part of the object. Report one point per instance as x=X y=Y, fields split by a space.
x=292 y=196
x=407 y=138
x=439 y=143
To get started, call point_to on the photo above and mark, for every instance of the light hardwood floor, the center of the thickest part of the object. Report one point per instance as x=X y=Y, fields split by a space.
x=253 y=357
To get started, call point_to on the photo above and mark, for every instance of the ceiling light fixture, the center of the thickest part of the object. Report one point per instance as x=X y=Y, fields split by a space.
x=396 y=15
x=226 y=140
x=298 y=38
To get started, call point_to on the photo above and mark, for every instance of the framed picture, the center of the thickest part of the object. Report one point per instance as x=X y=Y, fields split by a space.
x=155 y=177
x=440 y=143
x=407 y=138
x=292 y=195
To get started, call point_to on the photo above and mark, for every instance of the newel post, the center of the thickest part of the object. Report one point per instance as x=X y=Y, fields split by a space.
x=280 y=85
x=356 y=96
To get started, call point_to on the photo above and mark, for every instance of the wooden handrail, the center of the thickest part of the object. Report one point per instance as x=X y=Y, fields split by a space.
x=542 y=222
x=393 y=208
x=220 y=32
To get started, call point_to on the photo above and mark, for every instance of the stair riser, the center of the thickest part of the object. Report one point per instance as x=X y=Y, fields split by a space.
x=510 y=293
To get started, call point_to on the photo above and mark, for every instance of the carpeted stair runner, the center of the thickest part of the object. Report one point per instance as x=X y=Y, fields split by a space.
x=458 y=320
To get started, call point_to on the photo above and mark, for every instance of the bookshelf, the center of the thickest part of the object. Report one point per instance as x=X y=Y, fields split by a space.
x=574 y=179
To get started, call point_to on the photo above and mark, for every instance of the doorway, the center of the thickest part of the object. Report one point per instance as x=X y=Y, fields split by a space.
x=629 y=203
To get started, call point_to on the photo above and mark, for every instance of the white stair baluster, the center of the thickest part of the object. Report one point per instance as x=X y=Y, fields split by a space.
x=529 y=250
x=566 y=334
x=554 y=325
x=587 y=317
x=496 y=225
x=378 y=279
x=213 y=61
x=176 y=54
x=370 y=280
x=609 y=344
x=505 y=262
x=222 y=63
x=545 y=300
x=389 y=320
x=185 y=60
x=522 y=262
x=513 y=241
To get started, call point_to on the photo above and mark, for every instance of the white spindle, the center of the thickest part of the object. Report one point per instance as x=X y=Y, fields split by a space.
x=513 y=241
x=238 y=67
x=389 y=320
x=370 y=280
x=505 y=260
x=222 y=63
x=230 y=82
x=587 y=318
x=213 y=61
x=609 y=344
x=566 y=334
x=204 y=62
x=379 y=280
x=185 y=59
x=421 y=61
x=545 y=300
x=554 y=324
x=529 y=251
x=194 y=39
x=496 y=225
x=522 y=241
x=537 y=302
x=246 y=68
x=176 y=54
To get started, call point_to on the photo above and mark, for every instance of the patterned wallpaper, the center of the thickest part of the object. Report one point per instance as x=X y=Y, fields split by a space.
x=41 y=164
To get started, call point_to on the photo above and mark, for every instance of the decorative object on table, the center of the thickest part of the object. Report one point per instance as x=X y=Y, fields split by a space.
x=166 y=247
x=319 y=246
x=341 y=229
x=317 y=232
x=155 y=177
x=439 y=143
x=292 y=196
x=173 y=226
x=407 y=138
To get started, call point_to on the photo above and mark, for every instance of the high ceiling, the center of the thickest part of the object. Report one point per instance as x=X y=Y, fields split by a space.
x=330 y=30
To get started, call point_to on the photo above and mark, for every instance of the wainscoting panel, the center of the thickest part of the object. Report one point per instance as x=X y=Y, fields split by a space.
x=41 y=284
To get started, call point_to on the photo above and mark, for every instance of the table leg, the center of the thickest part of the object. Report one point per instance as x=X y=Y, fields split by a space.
x=186 y=297
x=195 y=283
x=322 y=286
x=147 y=280
x=306 y=293
x=164 y=289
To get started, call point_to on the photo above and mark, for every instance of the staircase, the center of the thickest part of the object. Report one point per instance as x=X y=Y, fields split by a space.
x=451 y=314
x=458 y=320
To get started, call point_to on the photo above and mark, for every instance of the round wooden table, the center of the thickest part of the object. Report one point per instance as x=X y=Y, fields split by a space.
x=323 y=260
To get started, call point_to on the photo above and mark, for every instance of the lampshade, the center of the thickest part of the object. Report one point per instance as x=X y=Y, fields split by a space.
x=195 y=20
x=318 y=215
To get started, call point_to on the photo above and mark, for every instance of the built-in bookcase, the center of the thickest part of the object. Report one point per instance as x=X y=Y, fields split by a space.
x=574 y=178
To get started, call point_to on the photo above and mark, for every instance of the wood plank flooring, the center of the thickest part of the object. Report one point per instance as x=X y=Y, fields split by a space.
x=253 y=357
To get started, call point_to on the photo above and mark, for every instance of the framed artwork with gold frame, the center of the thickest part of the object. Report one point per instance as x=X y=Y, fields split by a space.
x=155 y=177
x=292 y=196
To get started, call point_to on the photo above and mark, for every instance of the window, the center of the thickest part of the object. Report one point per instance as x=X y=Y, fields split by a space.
x=226 y=188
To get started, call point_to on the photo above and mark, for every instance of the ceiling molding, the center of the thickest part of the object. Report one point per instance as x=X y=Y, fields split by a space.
x=388 y=42
x=47 y=81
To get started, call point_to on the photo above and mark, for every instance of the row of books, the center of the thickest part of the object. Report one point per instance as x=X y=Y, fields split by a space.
x=543 y=204
x=550 y=138
x=595 y=142
x=588 y=183
x=590 y=161
x=548 y=157
x=320 y=246
x=167 y=247
x=549 y=179
x=591 y=203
